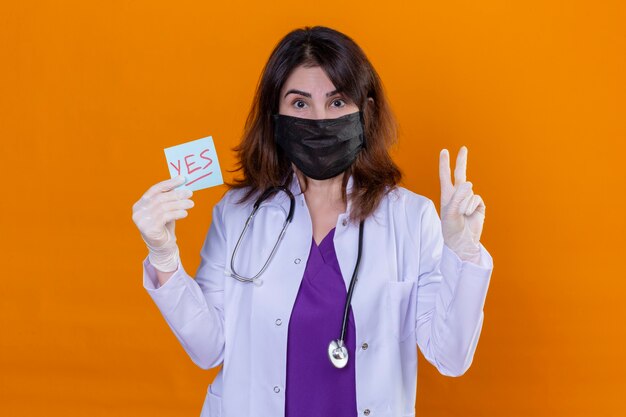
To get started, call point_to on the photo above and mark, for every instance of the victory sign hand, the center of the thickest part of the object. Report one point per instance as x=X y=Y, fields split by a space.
x=462 y=211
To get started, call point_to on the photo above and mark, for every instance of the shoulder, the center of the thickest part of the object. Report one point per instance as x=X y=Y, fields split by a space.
x=234 y=196
x=232 y=203
x=400 y=201
x=405 y=211
x=411 y=215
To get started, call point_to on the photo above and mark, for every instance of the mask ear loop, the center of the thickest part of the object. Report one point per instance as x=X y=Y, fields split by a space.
x=362 y=117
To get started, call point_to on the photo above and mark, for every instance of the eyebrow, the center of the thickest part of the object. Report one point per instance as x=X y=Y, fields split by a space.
x=305 y=94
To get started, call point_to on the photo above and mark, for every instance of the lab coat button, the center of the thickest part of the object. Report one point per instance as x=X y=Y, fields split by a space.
x=366 y=411
x=279 y=322
x=276 y=389
x=364 y=346
x=297 y=261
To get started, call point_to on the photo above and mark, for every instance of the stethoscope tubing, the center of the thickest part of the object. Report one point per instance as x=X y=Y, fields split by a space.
x=353 y=281
x=336 y=346
x=257 y=204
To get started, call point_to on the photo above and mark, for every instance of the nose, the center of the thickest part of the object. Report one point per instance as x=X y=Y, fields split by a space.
x=319 y=112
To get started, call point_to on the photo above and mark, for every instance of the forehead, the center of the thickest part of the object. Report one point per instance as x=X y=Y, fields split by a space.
x=308 y=79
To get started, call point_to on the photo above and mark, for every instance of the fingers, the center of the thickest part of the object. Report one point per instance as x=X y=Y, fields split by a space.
x=176 y=205
x=444 y=167
x=165 y=186
x=172 y=195
x=463 y=191
x=163 y=212
x=480 y=205
x=174 y=215
x=471 y=204
x=461 y=166
x=444 y=176
x=154 y=202
x=160 y=205
x=465 y=204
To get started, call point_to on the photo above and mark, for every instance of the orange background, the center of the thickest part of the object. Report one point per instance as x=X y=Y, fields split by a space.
x=92 y=92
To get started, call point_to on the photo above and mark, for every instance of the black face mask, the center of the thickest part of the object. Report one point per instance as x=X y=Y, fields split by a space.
x=321 y=149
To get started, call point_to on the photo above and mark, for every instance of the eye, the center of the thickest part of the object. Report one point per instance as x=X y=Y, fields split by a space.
x=339 y=102
x=299 y=104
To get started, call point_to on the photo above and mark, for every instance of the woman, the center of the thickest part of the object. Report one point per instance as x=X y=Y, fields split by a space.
x=288 y=340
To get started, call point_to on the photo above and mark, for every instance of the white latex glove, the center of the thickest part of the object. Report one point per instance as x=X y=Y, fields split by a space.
x=155 y=214
x=462 y=211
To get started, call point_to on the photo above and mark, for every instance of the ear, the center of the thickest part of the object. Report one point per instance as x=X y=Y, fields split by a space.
x=370 y=101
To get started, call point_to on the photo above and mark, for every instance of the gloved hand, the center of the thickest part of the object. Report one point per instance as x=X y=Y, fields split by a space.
x=155 y=214
x=462 y=211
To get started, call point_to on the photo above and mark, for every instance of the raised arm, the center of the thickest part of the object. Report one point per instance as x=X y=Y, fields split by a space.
x=194 y=308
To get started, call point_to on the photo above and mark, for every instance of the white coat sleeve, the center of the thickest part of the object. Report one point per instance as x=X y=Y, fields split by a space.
x=194 y=309
x=450 y=299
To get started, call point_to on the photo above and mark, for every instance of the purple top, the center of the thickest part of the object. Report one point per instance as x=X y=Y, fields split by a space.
x=315 y=388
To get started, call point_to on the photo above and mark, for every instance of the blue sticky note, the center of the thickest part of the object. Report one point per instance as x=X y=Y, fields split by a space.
x=197 y=162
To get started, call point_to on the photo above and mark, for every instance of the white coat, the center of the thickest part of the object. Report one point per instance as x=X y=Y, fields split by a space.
x=411 y=289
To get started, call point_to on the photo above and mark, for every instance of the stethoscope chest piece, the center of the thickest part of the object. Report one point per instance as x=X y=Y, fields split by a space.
x=338 y=354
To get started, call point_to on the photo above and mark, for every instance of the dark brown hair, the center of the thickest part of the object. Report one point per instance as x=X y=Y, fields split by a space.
x=262 y=162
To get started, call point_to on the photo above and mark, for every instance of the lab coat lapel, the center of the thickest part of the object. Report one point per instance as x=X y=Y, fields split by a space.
x=295 y=247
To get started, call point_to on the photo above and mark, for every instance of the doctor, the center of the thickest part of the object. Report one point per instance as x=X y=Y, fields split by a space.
x=363 y=262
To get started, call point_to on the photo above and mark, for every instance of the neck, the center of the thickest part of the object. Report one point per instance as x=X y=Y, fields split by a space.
x=323 y=193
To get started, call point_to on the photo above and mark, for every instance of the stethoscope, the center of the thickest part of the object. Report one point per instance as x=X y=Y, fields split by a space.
x=337 y=351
